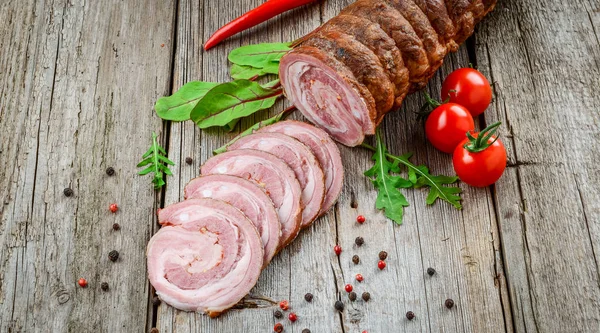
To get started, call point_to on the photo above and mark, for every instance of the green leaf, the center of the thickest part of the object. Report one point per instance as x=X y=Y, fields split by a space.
x=158 y=163
x=259 y=55
x=232 y=100
x=178 y=106
x=247 y=72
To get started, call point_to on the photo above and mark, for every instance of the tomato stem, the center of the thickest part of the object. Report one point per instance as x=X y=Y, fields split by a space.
x=428 y=107
x=479 y=144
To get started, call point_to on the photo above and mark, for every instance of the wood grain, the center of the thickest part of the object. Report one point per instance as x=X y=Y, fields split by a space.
x=77 y=87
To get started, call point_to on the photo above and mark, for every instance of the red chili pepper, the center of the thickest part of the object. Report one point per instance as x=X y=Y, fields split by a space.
x=267 y=10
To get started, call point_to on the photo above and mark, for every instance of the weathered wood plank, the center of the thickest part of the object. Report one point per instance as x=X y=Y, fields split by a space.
x=544 y=57
x=77 y=86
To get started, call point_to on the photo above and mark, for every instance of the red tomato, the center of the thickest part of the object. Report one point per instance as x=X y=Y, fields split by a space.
x=482 y=168
x=446 y=126
x=470 y=89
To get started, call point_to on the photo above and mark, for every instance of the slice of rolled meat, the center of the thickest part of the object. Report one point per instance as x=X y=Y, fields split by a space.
x=465 y=14
x=324 y=149
x=327 y=93
x=269 y=173
x=205 y=258
x=245 y=196
x=298 y=157
x=437 y=13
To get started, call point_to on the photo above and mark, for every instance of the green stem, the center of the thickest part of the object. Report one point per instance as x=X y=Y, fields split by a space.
x=479 y=144
x=409 y=165
x=283 y=114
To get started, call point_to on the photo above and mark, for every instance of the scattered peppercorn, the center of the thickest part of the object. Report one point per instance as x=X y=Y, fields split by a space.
x=449 y=303
x=154 y=330
x=352 y=296
x=188 y=160
x=381 y=264
x=104 y=286
x=292 y=317
x=366 y=296
x=365 y=332
x=410 y=315
x=359 y=278
x=116 y=226
x=113 y=208
x=82 y=282
x=278 y=328
x=308 y=297
x=354 y=204
x=348 y=288
x=337 y=249
x=382 y=255
x=360 y=219
x=68 y=192
x=113 y=255
x=355 y=259
x=278 y=314
x=306 y=330
x=359 y=241
x=284 y=305
x=430 y=271
x=155 y=301
x=110 y=171
x=339 y=305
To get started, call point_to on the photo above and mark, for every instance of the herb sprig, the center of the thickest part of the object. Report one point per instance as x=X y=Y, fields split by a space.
x=157 y=162
x=385 y=178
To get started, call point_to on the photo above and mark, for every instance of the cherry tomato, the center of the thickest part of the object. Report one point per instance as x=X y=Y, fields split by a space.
x=469 y=88
x=481 y=168
x=446 y=126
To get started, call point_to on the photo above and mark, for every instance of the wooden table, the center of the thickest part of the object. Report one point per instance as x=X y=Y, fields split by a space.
x=78 y=80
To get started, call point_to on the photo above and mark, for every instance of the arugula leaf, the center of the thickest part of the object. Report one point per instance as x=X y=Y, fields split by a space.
x=157 y=163
x=178 y=106
x=259 y=55
x=255 y=127
x=232 y=100
x=247 y=72
x=389 y=198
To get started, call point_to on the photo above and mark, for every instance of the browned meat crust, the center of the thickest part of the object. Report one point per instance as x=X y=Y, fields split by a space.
x=440 y=20
x=465 y=14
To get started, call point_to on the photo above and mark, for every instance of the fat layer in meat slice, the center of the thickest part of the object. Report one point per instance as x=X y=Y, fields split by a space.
x=324 y=149
x=361 y=61
x=328 y=94
x=383 y=46
x=440 y=20
x=205 y=258
x=245 y=196
x=300 y=159
x=401 y=31
x=272 y=175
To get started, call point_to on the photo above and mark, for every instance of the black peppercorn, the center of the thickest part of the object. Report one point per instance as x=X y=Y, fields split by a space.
x=449 y=303
x=116 y=226
x=113 y=255
x=382 y=255
x=352 y=296
x=306 y=330
x=430 y=271
x=104 y=286
x=339 y=305
x=359 y=241
x=278 y=314
x=410 y=315
x=188 y=160
x=308 y=297
x=155 y=301
x=68 y=192
x=110 y=171
x=154 y=330
x=366 y=296
x=355 y=259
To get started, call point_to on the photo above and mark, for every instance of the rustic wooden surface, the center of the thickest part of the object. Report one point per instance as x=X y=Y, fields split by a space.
x=77 y=84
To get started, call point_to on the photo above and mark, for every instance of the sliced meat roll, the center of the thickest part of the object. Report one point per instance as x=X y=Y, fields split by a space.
x=298 y=157
x=400 y=30
x=245 y=196
x=205 y=258
x=328 y=94
x=269 y=173
x=324 y=149
x=465 y=14
x=361 y=61
x=440 y=20
x=383 y=46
